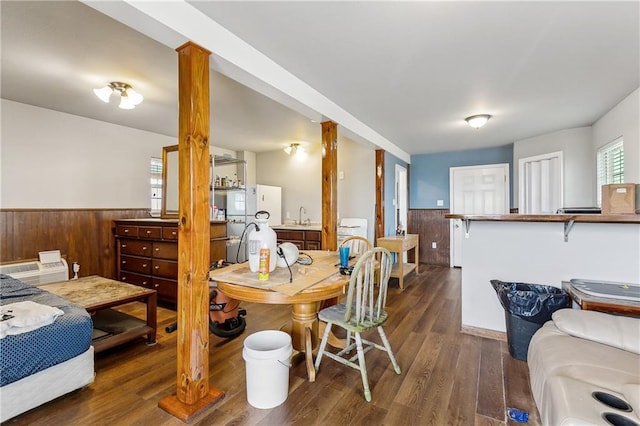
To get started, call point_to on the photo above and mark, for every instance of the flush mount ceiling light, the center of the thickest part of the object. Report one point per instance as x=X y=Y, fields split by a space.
x=477 y=121
x=129 y=98
x=294 y=148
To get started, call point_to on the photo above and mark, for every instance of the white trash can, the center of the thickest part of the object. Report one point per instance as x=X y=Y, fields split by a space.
x=266 y=354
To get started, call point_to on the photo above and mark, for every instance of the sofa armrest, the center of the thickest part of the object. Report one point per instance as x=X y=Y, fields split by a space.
x=613 y=330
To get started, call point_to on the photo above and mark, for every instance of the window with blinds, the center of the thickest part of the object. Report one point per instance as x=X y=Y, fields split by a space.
x=156 y=186
x=610 y=167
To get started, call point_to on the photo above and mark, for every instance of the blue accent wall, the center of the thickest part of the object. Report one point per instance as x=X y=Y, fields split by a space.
x=429 y=174
x=390 y=162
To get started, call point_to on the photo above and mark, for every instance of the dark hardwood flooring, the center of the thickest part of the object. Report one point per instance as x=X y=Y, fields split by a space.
x=447 y=377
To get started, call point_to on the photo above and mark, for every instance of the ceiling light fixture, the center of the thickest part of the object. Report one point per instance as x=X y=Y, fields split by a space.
x=477 y=121
x=129 y=98
x=293 y=149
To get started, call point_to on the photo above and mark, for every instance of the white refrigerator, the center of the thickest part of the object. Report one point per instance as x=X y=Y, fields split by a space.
x=241 y=204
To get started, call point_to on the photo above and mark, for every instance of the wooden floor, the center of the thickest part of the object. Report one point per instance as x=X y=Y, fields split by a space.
x=447 y=377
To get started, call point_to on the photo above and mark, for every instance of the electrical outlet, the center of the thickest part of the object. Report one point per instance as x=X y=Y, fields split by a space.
x=340 y=175
x=439 y=203
x=434 y=244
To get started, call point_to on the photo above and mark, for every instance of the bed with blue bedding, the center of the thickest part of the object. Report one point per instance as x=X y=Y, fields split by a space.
x=49 y=361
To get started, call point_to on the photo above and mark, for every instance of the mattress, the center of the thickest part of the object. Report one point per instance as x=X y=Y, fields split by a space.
x=25 y=354
x=46 y=385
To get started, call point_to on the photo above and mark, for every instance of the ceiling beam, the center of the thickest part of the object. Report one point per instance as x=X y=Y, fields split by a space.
x=178 y=21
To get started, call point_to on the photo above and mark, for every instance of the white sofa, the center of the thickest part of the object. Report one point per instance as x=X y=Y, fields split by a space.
x=582 y=352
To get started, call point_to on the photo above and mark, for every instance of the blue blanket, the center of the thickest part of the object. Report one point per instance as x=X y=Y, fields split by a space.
x=25 y=354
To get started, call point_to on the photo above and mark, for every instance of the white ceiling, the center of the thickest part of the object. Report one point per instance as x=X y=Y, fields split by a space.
x=406 y=72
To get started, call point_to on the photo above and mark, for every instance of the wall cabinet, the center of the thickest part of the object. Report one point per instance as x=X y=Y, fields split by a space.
x=147 y=253
x=303 y=239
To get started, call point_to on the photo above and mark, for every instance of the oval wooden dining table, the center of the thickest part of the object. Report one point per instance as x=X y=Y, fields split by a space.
x=305 y=303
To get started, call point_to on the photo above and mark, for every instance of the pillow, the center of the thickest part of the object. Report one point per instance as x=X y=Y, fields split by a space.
x=613 y=330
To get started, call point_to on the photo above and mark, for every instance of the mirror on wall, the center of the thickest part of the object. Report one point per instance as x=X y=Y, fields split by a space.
x=170 y=205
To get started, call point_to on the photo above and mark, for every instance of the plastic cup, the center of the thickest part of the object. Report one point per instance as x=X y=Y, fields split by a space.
x=344 y=257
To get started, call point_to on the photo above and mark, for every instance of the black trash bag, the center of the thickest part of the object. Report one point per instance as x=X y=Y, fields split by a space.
x=531 y=302
x=526 y=308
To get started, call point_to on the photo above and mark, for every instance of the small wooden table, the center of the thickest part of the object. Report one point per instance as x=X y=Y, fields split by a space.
x=589 y=302
x=400 y=244
x=97 y=294
x=305 y=304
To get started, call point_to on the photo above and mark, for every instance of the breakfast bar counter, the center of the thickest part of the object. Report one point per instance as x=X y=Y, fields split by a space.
x=540 y=249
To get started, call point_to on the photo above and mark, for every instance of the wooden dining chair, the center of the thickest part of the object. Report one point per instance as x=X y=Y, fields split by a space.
x=362 y=311
x=357 y=245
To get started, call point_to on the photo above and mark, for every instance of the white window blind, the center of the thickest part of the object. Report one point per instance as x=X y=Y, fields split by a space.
x=156 y=186
x=610 y=166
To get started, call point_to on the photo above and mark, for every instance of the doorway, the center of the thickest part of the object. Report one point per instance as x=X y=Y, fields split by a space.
x=400 y=199
x=475 y=190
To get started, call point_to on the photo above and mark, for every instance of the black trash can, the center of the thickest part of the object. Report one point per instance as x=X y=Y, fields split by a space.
x=526 y=308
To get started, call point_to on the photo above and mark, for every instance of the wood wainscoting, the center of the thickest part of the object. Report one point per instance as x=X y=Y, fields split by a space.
x=431 y=226
x=82 y=235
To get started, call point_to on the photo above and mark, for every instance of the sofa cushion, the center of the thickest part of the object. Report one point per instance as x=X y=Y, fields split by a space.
x=617 y=331
x=592 y=352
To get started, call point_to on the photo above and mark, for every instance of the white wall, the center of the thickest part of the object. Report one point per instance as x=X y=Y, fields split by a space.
x=580 y=146
x=300 y=177
x=357 y=191
x=56 y=160
x=579 y=165
x=623 y=120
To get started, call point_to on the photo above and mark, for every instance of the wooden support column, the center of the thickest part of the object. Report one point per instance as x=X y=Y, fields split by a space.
x=193 y=394
x=329 y=185
x=379 y=226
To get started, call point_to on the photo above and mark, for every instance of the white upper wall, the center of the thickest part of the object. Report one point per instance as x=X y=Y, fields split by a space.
x=301 y=179
x=623 y=120
x=56 y=160
x=579 y=147
x=578 y=169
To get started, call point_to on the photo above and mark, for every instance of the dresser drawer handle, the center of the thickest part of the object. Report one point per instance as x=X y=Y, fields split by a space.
x=144 y=265
x=123 y=245
x=124 y=261
x=174 y=233
x=144 y=248
x=157 y=248
x=124 y=278
x=148 y=232
x=157 y=285
x=157 y=267
x=126 y=230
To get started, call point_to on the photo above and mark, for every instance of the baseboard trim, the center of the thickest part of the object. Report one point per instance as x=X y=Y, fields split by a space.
x=483 y=332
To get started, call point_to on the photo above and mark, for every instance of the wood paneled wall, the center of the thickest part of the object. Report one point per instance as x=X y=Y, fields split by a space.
x=82 y=235
x=431 y=226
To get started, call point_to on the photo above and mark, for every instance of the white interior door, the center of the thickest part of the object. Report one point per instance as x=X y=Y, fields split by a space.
x=541 y=184
x=476 y=190
x=401 y=201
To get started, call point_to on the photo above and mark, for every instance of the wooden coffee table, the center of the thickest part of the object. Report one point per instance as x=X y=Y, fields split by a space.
x=111 y=327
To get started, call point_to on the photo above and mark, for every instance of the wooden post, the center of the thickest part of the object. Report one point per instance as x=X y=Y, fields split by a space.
x=192 y=388
x=329 y=185
x=379 y=225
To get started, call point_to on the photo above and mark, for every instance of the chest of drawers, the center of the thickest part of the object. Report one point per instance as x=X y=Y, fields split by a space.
x=147 y=253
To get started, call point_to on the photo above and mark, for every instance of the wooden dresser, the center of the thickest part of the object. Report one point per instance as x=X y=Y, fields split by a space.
x=147 y=253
